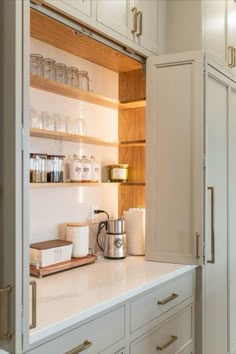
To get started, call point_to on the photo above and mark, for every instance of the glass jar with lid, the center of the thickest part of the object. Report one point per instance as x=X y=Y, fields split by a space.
x=95 y=170
x=60 y=72
x=49 y=68
x=75 y=170
x=36 y=67
x=72 y=76
x=38 y=168
x=55 y=168
x=86 y=169
x=83 y=80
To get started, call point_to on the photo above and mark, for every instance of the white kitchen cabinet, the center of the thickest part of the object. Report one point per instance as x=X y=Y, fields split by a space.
x=138 y=24
x=231 y=218
x=170 y=336
x=116 y=15
x=150 y=33
x=231 y=35
x=215 y=29
x=175 y=178
x=91 y=338
x=215 y=270
x=174 y=219
x=75 y=8
x=140 y=21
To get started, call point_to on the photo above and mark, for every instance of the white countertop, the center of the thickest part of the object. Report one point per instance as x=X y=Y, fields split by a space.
x=69 y=297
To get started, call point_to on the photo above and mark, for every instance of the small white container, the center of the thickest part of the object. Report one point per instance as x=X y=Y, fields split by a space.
x=50 y=252
x=78 y=234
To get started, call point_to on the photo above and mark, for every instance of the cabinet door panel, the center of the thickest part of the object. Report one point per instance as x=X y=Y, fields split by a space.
x=231 y=18
x=174 y=158
x=147 y=31
x=171 y=337
x=216 y=177
x=215 y=29
x=115 y=14
x=72 y=7
x=232 y=219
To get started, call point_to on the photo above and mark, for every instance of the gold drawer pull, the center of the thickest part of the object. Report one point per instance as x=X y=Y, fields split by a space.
x=4 y=313
x=80 y=348
x=172 y=340
x=167 y=299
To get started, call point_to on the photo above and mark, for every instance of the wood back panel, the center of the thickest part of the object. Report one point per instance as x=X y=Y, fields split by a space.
x=132 y=125
x=130 y=197
x=132 y=86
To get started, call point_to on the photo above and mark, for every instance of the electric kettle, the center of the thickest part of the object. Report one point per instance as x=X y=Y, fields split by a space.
x=115 y=245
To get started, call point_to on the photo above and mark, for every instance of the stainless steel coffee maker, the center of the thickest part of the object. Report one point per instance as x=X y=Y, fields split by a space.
x=115 y=245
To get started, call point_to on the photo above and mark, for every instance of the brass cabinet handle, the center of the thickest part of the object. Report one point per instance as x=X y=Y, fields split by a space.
x=34 y=303
x=212 y=260
x=140 y=16
x=197 y=244
x=134 y=12
x=4 y=313
x=166 y=345
x=167 y=299
x=80 y=348
x=231 y=56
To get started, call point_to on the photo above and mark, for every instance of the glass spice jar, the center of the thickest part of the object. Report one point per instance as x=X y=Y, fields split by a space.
x=55 y=168
x=49 y=68
x=38 y=168
x=76 y=169
x=83 y=80
x=60 y=72
x=95 y=170
x=36 y=67
x=72 y=76
x=86 y=169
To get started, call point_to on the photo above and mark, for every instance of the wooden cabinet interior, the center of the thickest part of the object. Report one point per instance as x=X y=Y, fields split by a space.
x=132 y=127
x=131 y=103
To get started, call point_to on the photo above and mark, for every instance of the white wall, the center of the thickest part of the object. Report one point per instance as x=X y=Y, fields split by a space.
x=51 y=208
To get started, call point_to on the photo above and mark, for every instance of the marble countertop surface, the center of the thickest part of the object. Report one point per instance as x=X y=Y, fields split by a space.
x=64 y=299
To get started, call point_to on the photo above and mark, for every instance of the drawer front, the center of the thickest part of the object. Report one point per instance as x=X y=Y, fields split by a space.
x=173 y=336
x=154 y=304
x=90 y=338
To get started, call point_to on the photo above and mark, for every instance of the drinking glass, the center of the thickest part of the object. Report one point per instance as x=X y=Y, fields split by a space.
x=72 y=76
x=49 y=68
x=36 y=64
x=83 y=80
x=60 y=123
x=80 y=126
x=34 y=118
x=60 y=72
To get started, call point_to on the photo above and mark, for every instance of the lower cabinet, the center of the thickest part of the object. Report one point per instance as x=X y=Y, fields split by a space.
x=160 y=319
x=173 y=336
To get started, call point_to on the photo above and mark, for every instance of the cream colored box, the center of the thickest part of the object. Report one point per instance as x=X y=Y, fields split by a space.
x=50 y=252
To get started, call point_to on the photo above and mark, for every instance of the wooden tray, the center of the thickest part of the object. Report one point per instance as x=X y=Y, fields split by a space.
x=59 y=267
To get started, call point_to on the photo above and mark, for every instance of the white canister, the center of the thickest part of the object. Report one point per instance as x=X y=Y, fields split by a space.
x=135 y=230
x=78 y=233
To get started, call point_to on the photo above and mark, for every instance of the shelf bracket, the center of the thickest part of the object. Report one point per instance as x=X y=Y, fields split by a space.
x=4 y=313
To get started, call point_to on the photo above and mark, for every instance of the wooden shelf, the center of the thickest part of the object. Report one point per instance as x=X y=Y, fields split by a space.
x=49 y=134
x=72 y=184
x=61 y=89
x=75 y=184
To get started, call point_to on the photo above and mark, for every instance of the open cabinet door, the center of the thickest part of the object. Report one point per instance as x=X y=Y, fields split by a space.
x=11 y=195
x=175 y=176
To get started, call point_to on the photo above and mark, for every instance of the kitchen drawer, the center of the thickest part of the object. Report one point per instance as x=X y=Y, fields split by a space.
x=101 y=332
x=173 y=336
x=154 y=304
